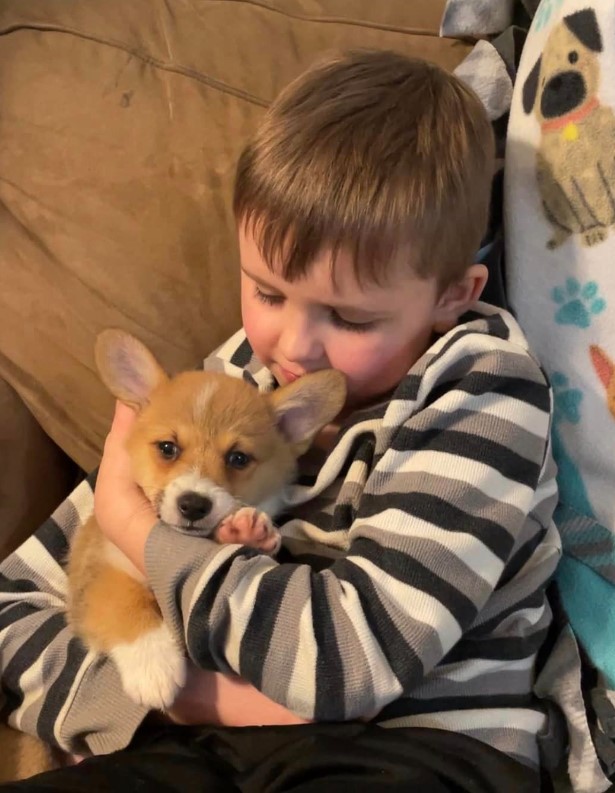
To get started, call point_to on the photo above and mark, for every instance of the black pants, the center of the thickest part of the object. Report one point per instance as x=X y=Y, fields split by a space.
x=352 y=758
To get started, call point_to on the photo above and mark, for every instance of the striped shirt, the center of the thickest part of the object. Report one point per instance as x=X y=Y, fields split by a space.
x=411 y=583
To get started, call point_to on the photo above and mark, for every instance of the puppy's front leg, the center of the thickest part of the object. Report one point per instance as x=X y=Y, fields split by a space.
x=119 y=616
x=248 y=526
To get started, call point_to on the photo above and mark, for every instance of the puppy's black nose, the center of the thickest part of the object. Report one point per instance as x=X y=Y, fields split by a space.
x=194 y=506
x=562 y=93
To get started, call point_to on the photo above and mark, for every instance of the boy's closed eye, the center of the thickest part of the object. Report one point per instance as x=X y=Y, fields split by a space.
x=269 y=298
x=335 y=316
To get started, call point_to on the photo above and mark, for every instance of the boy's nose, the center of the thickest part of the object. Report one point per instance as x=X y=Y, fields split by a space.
x=298 y=341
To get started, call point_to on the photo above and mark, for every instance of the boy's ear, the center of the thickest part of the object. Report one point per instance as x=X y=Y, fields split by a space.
x=458 y=297
x=127 y=367
x=305 y=406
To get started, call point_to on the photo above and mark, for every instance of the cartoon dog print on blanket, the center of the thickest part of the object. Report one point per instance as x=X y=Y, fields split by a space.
x=575 y=163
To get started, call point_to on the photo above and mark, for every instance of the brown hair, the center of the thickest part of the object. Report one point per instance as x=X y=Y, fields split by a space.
x=376 y=154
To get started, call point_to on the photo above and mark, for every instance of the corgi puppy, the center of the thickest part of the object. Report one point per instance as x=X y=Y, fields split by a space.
x=213 y=456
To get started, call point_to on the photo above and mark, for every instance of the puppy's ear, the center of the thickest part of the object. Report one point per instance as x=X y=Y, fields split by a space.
x=530 y=87
x=127 y=367
x=306 y=405
x=584 y=25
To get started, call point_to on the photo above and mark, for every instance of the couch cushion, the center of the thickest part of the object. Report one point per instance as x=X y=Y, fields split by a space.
x=32 y=465
x=120 y=125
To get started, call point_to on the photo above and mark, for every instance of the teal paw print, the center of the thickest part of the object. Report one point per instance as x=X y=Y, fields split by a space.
x=567 y=401
x=577 y=304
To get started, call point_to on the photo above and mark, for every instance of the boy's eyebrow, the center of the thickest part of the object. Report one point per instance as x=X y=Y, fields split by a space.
x=359 y=311
x=258 y=280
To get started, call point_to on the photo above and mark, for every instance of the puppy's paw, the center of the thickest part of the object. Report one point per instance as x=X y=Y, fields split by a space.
x=247 y=526
x=152 y=668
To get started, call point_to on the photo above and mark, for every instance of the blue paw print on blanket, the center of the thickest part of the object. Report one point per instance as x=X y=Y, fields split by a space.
x=578 y=304
x=567 y=401
x=567 y=408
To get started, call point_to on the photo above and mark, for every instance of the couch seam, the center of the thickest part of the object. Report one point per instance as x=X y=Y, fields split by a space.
x=166 y=66
x=345 y=20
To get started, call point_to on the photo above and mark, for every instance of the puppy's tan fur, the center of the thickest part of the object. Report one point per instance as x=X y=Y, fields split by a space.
x=207 y=416
x=23 y=756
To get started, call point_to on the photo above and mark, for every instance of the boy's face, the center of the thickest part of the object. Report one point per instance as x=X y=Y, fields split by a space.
x=372 y=334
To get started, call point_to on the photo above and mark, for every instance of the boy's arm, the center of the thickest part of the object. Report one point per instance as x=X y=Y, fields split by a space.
x=441 y=514
x=215 y=698
x=51 y=686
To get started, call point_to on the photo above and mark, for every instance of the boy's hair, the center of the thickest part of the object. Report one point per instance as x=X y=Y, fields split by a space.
x=372 y=153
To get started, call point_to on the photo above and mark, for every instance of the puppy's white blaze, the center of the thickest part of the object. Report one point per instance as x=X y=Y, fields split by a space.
x=222 y=502
x=203 y=399
x=152 y=668
x=120 y=561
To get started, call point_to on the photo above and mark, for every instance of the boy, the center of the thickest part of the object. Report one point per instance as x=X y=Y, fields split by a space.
x=410 y=592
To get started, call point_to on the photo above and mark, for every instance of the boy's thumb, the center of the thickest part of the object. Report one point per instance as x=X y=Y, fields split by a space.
x=123 y=420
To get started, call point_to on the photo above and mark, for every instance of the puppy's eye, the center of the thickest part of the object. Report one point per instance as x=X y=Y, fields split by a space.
x=168 y=450
x=573 y=56
x=237 y=460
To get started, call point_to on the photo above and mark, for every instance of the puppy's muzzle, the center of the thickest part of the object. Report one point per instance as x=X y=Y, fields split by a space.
x=562 y=93
x=195 y=504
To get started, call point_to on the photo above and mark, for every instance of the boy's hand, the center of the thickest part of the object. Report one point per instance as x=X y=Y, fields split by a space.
x=216 y=698
x=122 y=511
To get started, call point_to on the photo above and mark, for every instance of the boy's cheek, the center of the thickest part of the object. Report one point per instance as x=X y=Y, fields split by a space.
x=374 y=368
x=359 y=358
x=361 y=366
x=259 y=334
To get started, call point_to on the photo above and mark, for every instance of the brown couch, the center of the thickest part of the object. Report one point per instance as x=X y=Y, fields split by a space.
x=120 y=124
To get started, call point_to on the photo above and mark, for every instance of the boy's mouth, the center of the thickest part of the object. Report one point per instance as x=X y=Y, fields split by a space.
x=286 y=375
